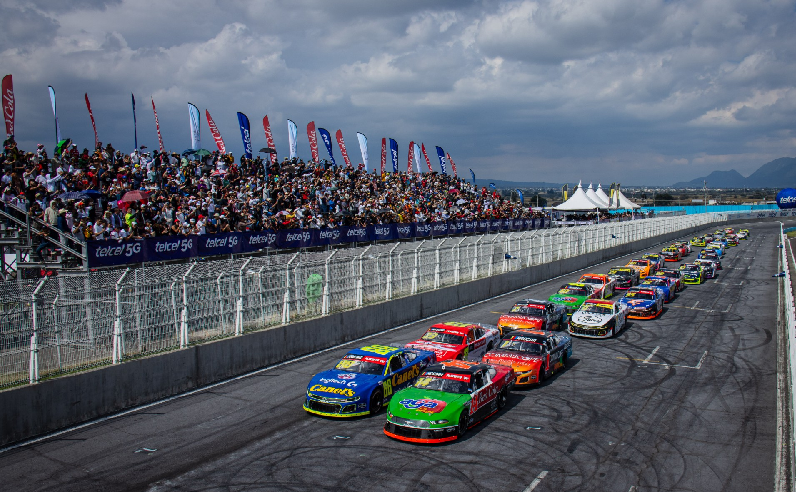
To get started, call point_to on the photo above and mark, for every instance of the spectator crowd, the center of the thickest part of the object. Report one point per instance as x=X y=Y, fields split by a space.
x=109 y=194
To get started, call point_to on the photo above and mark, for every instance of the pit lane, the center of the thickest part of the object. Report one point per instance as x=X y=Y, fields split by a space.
x=698 y=413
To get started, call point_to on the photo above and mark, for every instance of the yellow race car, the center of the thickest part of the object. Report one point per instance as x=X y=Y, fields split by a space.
x=698 y=241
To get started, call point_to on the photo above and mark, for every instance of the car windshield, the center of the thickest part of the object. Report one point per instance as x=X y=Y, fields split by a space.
x=640 y=295
x=621 y=273
x=442 y=384
x=690 y=268
x=669 y=274
x=442 y=337
x=595 y=308
x=526 y=346
x=591 y=280
x=529 y=310
x=573 y=290
x=638 y=263
x=655 y=282
x=361 y=365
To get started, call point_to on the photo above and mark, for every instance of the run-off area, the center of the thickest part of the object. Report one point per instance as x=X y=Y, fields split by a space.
x=683 y=402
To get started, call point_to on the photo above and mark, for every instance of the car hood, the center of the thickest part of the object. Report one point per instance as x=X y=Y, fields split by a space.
x=591 y=319
x=637 y=303
x=518 y=360
x=419 y=404
x=520 y=321
x=566 y=299
x=342 y=384
x=443 y=351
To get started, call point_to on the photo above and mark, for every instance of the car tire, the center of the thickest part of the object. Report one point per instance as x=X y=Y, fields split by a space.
x=461 y=429
x=376 y=401
x=541 y=377
x=503 y=398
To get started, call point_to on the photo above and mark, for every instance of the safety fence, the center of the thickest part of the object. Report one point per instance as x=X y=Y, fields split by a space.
x=788 y=265
x=69 y=323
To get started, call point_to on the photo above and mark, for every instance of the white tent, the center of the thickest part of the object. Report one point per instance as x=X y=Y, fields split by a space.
x=621 y=201
x=579 y=202
x=600 y=193
x=593 y=196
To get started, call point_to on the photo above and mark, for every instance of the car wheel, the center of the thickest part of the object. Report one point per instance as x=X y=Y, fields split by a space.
x=541 y=376
x=564 y=359
x=463 y=421
x=376 y=401
x=503 y=398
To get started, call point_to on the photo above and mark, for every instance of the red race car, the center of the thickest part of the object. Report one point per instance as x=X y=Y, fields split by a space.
x=454 y=340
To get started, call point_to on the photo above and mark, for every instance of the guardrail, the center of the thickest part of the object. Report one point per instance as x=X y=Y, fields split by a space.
x=70 y=323
x=787 y=262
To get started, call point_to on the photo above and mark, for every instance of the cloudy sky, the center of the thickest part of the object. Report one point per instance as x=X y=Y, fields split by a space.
x=641 y=92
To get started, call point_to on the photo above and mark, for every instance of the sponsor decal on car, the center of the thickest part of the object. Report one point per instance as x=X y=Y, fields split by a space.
x=425 y=405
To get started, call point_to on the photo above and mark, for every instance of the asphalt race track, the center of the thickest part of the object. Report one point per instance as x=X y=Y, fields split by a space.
x=686 y=402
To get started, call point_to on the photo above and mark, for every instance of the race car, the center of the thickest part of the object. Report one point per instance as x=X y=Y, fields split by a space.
x=454 y=340
x=698 y=241
x=603 y=284
x=446 y=400
x=643 y=266
x=672 y=253
x=729 y=230
x=666 y=285
x=746 y=233
x=683 y=247
x=709 y=254
x=624 y=276
x=530 y=313
x=643 y=302
x=656 y=260
x=742 y=235
x=684 y=244
x=598 y=318
x=732 y=241
x=708 y=265
x=572 y=295
x=692 y=274
x=674 y=275
x=533 y=354
x=717 y=247
x=364 y=379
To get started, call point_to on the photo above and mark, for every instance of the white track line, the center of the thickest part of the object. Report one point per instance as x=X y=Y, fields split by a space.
x=646 y=361
x=701 y=360
x=536 y=482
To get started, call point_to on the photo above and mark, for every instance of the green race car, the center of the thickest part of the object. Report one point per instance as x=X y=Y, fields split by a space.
x=692 y=274
x=446 y=400
x=573 y=295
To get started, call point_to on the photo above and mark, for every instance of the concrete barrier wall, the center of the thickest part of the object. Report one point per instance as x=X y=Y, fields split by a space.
x=54 y=404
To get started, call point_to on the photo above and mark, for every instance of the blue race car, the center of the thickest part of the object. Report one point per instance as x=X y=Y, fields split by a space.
x=364 y=380
x=665 y=284
x=643 y=302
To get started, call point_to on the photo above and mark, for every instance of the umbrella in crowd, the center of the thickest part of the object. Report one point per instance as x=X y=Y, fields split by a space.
x=73 y=195
x=135 y=196
x=202 y=152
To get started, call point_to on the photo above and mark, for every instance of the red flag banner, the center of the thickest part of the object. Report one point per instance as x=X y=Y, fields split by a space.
x=452 y=165
x=157 y=126
x=93 y=125
x=341 y=143
x=8 y=103
x=313 y=141
x=411 y=157
x=269 y=138
x=383 y=154
x=216 y=134
x=428 y=162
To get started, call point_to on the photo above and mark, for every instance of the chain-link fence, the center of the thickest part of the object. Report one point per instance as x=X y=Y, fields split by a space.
x=69 y=323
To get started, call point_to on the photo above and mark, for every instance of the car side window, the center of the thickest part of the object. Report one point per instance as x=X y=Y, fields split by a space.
x=479 y=333
x=395 y=364
x=491 y=372
x=478 y=380
x=470 y=336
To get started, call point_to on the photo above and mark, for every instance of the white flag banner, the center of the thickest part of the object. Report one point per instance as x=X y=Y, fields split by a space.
x=363 y=147
x=193 y=113
x=292 y=132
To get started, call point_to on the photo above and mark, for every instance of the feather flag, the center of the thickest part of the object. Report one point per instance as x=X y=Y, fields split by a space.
x=522 y=198
x=292 y=132
x=394 y=154
x=341 y=143
x=93 y=125
x=383 y=154
x=327 y=141
x=9 y=104
x=216 y=134
x=411 y=157
x=473 y=175
x=428 y=162
x=363 y=148
x=269 y=138
x=313 y=141
x=455 y=174
x=55 y=114
x=135 y=123
x=245 y=134
x=157 y=126
x=193 y=120
x=441 y=155
x=417 y=158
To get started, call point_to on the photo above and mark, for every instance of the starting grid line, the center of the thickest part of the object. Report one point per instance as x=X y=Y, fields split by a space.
x=666 y=365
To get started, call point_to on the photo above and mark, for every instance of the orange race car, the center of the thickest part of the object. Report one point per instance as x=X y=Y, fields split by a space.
x=642 y=266
x=532 y=313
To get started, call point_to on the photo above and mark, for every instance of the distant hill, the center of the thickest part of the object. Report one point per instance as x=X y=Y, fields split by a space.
x=778 y=173
x=502 y=184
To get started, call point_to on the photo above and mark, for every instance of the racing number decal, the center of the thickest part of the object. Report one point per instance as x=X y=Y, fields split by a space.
x=379 y=349
x=387 y=388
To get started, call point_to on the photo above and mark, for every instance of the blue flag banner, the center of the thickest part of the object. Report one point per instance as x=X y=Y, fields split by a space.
x=473 y=175
x=441 y=155
x=135 y=124
x=394 y=152
x=193 y=117
x=492 y=185
x=327 y=140
x=522 y=198
x=245 y=134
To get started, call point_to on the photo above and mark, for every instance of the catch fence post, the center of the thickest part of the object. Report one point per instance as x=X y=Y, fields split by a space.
x=415 y=270
x=360 y=284
x=239 y=304
x=184 y=314
x=388 y=290
x=325 y=304
x=286 y=295
x=118 y=350
x=33 y=367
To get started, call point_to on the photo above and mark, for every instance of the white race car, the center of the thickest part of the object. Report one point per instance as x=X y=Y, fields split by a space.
x=598 y=318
